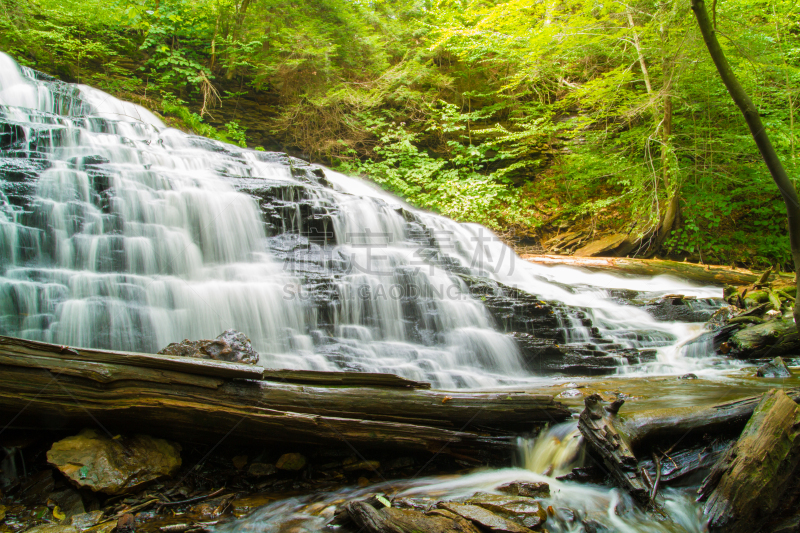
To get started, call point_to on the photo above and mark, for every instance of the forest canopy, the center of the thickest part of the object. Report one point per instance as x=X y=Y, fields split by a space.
x=531 y=117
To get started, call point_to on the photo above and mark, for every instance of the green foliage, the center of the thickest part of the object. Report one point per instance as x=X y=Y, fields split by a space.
x=175 y=109
x=236 y=134
x=505 y=112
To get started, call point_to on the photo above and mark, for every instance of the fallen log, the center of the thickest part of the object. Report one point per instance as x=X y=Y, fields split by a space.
x=660 y=428
x=748 y=482
x=205 y=367
x=56 y=391
x=665 y=444
x=599 y=425
x=711 y=274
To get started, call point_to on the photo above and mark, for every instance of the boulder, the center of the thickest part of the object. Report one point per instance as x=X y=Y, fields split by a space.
x=230 y=345
x=113 y=466
x=774 y=369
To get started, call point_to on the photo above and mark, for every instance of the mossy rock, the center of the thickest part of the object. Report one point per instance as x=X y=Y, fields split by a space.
x=767 y=340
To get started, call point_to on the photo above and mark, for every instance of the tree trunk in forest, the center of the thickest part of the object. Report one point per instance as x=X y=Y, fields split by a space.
x=759 y=134
x=666 y=221
x=642 y=64
x=46 y=385
x=241 y=11
x=673 y=205
x=748 y=482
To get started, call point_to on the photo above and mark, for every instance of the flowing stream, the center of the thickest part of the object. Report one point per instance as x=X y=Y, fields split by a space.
x=572 y=505
x=119 y=232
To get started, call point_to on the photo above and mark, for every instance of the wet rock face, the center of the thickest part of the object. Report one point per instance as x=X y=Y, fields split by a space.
x=113 y=466
x=541 y=330
x=389 y=519
x=774 y=369
x=526 y=488
x=520 y=510
x=231 y=345
x=484 y=518
x=676 y=307
x=482 y=512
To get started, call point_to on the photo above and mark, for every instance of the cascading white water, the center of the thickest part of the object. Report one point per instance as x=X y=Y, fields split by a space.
x=572 y=507
x=119 y=232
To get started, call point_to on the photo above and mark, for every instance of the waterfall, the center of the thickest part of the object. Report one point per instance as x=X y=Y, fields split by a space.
x=121 y=233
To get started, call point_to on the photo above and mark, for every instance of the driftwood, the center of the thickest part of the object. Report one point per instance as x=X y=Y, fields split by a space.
x=664 y=444
x=43 y=384
x=712 y=274
x=203 y=367
x=747 y=484
x=599 y=426
x=660 y=428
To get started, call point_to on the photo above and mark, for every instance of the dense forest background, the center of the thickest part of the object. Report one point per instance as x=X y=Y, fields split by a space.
x=536 y=118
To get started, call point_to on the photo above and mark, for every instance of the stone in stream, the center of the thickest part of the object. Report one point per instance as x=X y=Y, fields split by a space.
x=244 y=506
x=86 y=520
x=677 y=307
x=593 y=526
x=774 y=369
x=391 y=520
x=113 y=466
x=518 y=509
x=530 y=489
x=484 y=518
x=231 y=345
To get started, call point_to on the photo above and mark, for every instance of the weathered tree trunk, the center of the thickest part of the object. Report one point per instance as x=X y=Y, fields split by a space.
x=713 y=274
x=747 y=483
x=60 y=387
x=627 y=443
x=759 y=133
x=662 y=427
x=599 y=425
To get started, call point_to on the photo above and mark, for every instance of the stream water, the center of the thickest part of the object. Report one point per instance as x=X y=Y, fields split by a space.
x=557 y=451
x=119 y=232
